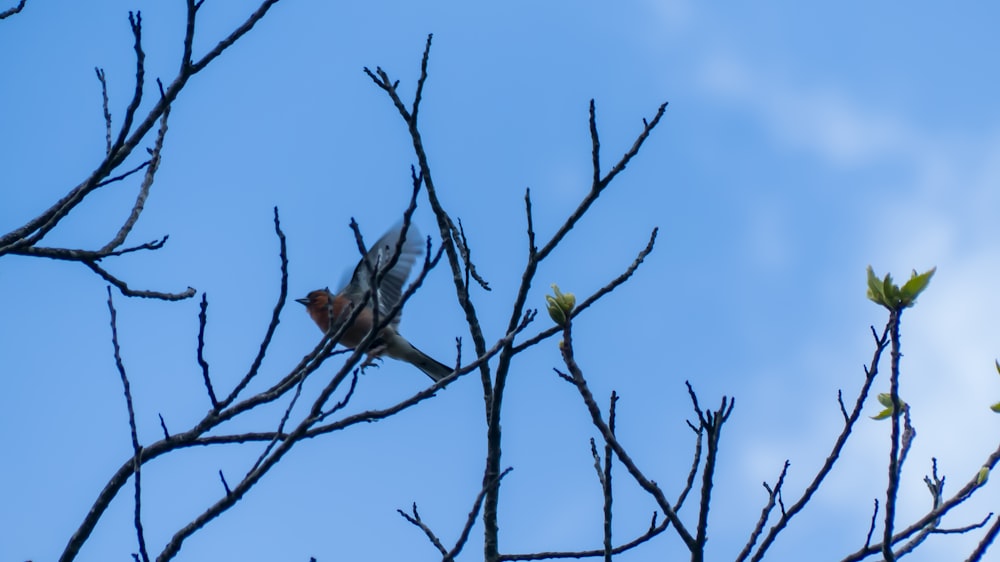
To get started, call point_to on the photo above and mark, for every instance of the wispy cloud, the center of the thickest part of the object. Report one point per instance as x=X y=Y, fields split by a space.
x=817 y=118
x=940 y=209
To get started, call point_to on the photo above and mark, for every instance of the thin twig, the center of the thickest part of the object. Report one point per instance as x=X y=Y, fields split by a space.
x=693 y=472
x=136 y=447
x=985 y=543
x=275 y=315
x=765 y=513
x=445 y=229
x=125 y=290
x=135 y=22
x=600 y=183
x=712 y=422
x=606 y=480
x=595 y=413
x=202 y=321
x=416 y=521
x=11 y=11
x=74 y=254
x=871 y=371
x=147 y=184
x=470 y=268
x=589 y=301
x=303 y=428
x=473 y=513
x=871 y=526
x=653 y=531
x=122 y=176
x=107 y=112
x=959 y=497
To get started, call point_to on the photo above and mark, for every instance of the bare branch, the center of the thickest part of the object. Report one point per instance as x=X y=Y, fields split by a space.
x=136 y=448
x=611 y=286
x=305 y=428
x=225 y=485
x=984 y=544
x=695 y=461
x=375 y=415
x=125 y=290
x=532 y=249
x=933 y=515
x=107 y=112
x=445 y=225
x=135 y=22
x=163 y=426
x=895 y=457
x=415 y=520
x=70 y=254
x=765 y=513
x=964 y=529
x=340 y=405
x=466 y=252
x=280 y=433
x=122 y=176
x=608 y=454
x=423 y=78
x=473 y=513
x=870 y=373
x=202 y=320
x=273 y=325
x=128 y=138
x=240 y=31
x=147 y=183
x=871 y=526
x=595 y=144
x=600 y=183
x=654 y=530
x=711 y=422
x=11 y=11
x=595 y=413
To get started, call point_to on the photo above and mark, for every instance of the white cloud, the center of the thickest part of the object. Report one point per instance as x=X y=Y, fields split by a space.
x=941 y=212
x=820 y=119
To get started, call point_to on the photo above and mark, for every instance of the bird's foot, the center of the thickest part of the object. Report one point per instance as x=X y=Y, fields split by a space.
x=371 y=361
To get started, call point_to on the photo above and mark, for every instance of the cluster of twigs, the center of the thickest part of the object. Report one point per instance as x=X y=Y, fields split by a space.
x=708 y=425
x=120 y=147
x=323 y=411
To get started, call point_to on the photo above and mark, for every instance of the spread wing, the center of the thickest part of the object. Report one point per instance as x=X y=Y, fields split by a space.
x=378 y=257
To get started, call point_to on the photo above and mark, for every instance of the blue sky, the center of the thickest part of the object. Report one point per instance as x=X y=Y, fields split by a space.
x=801 y=144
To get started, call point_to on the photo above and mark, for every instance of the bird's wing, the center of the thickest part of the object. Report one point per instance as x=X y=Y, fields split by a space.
x=391 y=288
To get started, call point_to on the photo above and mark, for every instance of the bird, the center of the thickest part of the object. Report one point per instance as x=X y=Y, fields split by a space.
x=324 y=306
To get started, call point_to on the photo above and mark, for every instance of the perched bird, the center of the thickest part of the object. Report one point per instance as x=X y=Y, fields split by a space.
x=324 y=306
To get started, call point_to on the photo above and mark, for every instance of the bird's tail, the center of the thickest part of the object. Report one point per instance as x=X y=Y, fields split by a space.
x=431 y=367
x=403 y=350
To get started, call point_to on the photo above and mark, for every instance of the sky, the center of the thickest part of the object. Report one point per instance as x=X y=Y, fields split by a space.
x=801 y=144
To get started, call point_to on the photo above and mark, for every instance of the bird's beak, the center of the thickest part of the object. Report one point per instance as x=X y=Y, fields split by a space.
x=304 y=302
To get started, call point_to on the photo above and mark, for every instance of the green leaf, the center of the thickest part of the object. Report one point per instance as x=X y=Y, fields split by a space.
x=996 y=407
x=885 y=399
x=916 y=285
x=883 y=414
x=997 y=363
x=875 y=288
x=890 y=291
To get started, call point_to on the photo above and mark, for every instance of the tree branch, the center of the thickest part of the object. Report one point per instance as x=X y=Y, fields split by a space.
x=136 y=448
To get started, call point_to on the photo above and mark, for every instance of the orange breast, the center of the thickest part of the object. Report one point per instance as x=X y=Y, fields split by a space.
x=321 y=315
